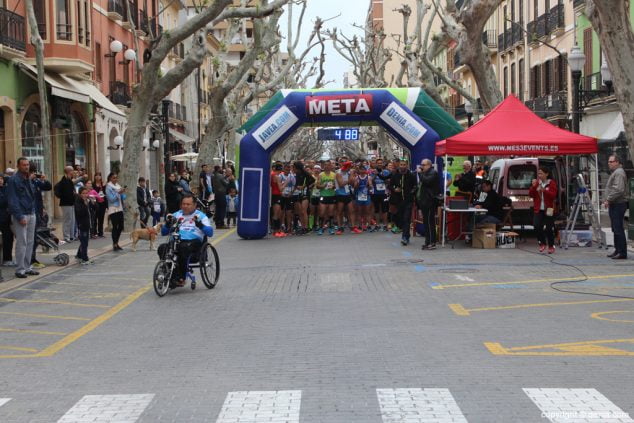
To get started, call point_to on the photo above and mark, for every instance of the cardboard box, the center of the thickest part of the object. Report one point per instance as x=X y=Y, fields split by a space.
x=486 y=226
x=505 y=240
x=483 y=238
x=578 y=238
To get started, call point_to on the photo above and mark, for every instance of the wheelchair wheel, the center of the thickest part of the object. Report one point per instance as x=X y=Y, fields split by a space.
x=162 y=276
x=209 y=266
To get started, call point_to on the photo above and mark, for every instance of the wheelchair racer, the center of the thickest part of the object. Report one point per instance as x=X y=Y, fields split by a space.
x=194 y=225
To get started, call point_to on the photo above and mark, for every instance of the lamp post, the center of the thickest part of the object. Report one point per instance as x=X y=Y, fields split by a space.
x=468 y=108
x=576 y=61
x=118 y=143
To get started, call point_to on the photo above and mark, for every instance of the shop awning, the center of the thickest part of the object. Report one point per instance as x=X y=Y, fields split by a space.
x=60 y=85
x=73 y=89
x=185 y=139
x=511 y=128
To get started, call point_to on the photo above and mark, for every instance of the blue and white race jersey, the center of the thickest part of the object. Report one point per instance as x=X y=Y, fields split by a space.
x=188 y=229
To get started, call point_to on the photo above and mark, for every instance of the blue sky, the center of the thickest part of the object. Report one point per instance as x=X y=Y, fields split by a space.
x=345 y=14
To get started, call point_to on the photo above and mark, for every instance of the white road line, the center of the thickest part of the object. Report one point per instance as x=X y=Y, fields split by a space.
x=415 y=405
x=561 y=405
x=463 y=278
x=3 y=401
x=261 y=406
x=108 y=408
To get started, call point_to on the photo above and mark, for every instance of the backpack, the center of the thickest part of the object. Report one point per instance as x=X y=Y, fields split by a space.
x=57 y=190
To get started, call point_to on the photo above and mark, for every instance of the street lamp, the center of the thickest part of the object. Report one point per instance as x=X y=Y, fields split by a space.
x=576 y=62
x=118 y=143
x=155 y=145
x=468 y=107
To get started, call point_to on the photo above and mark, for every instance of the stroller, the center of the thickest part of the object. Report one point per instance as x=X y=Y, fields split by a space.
x=45 y=238
x=205 y=207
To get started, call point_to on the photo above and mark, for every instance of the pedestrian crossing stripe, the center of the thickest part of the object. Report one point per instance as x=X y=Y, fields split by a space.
x=584 y=348
x=107 y=408
x=396 y=405
x=261 y=406
x=579 y=405
x=415 y=405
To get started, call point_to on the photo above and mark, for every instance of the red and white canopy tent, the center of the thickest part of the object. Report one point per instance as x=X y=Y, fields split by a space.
x=512 y=129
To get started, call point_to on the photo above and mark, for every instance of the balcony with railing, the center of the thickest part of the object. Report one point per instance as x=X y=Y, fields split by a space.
x=119 y=93
x=64 y=32
x=488 y=38
x=116 y=9
x=549 y=106
x=12 y=30
x=556 y=18
x=531 y=32
x=542 y=23
x=144 y=22
x=133 y=18
x=517 y=34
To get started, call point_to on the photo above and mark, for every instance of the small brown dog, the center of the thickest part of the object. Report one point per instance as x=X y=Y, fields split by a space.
x=147 y=234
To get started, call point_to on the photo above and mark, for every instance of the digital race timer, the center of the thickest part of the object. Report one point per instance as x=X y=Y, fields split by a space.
x=338 y=134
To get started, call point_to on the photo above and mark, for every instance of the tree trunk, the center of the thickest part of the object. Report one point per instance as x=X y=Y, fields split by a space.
x=611 y=21
x=37 y=42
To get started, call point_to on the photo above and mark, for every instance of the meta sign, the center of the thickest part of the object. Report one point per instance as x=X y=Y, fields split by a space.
x=338 y=105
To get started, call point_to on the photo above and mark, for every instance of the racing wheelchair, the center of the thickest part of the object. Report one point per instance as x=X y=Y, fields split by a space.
x=206 y=260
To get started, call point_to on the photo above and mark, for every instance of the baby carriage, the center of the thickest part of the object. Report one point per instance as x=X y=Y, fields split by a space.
x=45 y=238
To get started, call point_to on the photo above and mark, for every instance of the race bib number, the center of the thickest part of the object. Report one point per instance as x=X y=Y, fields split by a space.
x=157 y=208
x=287 y=191
x=329 y=185
x=347 y=189
x=380 y=187
x=362 y=196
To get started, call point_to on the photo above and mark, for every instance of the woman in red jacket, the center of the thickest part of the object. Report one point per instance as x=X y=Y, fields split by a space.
x=544 y=192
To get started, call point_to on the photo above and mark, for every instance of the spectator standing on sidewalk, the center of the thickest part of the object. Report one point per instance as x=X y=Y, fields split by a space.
x=616 y=201
x=83 y=213
x=93 y=204
x=65 y=191
x=40 y=183
x=184 y=183
x=22 y=208
x=5 y=226
x=173 y=194
x=205 y=183
x=114 y=194
x=220 y=185
x=102 y=204
x=143 y=201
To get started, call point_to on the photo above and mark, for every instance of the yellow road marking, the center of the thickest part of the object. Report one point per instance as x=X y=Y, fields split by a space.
x=93 y=324
x=587 y=348
x=76 y=294
x=54 y=302
x=10 y=347
x=35 y=332
x=100 y=285
x=44 y=316
x=461 y=311
x=466 y=285
x=601 y=314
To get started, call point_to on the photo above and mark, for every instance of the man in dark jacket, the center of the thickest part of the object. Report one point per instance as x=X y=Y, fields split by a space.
x=143 y=201
x=65 y=191
x=427 y=196
x=403 y=188
x=21 y=197
x=220 y=184
x=466 y=182
x=40 y=183
x=493 y=203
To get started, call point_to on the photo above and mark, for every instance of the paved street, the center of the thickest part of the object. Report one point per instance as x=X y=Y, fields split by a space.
x=325 y=329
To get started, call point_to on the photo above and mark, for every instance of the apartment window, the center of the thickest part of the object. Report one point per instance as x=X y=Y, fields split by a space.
x=535 y=10
x=80 y=26
x=506 y=81
x=513 y=11
x=87 y=21
x=521 y=12
x=98 y=59
x=520 y=79
x=126 y=68
x=513 y=86
x=505 y=19
x=40 y=16
x=536 y=87
x=249 y=33
x=547 y=77
x=64 y=22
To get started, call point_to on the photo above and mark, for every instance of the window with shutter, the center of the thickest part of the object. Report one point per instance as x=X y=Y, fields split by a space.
x=513 y=86
x=587 y=50
x=521 y=12
x=520 y=79
x=556 y=75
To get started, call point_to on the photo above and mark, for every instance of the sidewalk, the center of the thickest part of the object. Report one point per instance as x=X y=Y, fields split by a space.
x=96 y=247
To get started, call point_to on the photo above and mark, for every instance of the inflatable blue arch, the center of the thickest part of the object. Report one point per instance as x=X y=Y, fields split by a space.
x=408 y=114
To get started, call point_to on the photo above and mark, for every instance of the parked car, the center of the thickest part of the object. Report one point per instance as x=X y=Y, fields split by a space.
x=512 y=178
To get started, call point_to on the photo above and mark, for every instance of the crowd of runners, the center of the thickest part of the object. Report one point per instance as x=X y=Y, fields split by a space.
x=336 y=196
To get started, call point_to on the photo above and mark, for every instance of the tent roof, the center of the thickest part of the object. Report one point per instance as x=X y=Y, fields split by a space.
x=511 y=128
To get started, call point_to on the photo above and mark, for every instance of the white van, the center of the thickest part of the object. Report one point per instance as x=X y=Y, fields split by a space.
x=512 y=178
